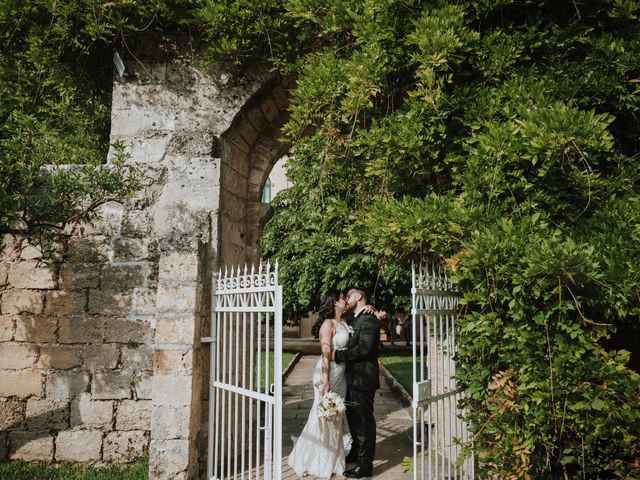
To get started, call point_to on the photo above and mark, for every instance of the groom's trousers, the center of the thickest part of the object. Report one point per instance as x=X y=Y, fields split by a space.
x=362 y=425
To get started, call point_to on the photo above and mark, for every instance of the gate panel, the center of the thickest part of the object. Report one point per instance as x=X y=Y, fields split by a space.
x=438 y=430
x=245 y=397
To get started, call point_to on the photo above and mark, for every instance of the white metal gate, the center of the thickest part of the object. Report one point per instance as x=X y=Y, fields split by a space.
x=245 y=394
x=438 y=431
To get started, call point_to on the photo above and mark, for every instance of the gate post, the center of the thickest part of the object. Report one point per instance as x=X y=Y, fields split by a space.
x=435 y=393
x=176 y=383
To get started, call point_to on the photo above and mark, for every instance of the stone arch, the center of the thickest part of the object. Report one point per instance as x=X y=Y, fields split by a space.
x=250 y=148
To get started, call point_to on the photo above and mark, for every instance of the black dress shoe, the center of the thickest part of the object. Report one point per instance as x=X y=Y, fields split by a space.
x=357 y=472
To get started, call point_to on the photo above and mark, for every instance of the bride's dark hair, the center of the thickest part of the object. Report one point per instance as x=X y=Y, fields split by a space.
x=325 y=310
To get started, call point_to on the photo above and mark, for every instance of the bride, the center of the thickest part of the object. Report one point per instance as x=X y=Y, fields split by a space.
x=320 y=449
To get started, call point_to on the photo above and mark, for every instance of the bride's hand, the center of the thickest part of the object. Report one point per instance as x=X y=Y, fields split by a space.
x=370 y=310
x=325 y=389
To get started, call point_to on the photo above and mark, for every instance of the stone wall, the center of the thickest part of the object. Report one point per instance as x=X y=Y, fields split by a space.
x=100 y=354
x=75 y=350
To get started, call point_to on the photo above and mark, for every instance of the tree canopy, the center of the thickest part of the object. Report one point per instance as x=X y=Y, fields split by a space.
x=500 y=135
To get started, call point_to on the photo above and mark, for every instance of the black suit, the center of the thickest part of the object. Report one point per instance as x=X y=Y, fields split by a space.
x=363 y=379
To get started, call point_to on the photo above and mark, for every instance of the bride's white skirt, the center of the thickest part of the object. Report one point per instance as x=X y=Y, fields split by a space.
x=321 y=448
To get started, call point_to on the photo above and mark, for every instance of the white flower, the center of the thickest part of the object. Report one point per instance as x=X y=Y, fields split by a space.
x=350 y=328
x=331 y=406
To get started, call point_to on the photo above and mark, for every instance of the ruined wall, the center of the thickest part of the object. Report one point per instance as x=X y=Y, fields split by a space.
x=100 y=355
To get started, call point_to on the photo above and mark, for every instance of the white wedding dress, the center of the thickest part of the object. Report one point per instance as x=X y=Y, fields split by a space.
x=321 y=447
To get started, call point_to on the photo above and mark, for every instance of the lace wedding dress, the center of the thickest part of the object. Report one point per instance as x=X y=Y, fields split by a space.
x=321 y=447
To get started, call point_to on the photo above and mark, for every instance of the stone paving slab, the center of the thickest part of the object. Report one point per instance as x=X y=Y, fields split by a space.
x=394 y=424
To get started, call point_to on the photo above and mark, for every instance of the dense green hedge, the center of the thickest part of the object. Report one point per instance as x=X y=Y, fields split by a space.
x=502 y=135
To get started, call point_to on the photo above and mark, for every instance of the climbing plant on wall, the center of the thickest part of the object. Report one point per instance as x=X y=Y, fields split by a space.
x=55 y=96
x=504 y=136
x=501 y=135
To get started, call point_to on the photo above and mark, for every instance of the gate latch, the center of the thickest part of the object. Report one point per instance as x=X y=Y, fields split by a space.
x=421 y=393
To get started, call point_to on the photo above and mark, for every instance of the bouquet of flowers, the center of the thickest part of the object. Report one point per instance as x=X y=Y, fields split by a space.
x=331 y=406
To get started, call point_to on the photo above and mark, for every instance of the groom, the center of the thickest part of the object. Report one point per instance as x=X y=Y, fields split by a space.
x=361 y=357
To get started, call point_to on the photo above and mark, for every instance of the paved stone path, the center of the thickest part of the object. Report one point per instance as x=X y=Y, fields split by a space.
x=394 y=425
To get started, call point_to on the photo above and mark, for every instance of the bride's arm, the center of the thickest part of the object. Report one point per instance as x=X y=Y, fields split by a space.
x=326 y=336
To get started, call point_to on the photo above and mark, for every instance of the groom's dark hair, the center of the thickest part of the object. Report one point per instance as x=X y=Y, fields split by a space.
x=361 y=291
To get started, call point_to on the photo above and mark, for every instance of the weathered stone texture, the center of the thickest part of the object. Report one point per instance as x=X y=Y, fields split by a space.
x=130 y=249
x=123 y=277
x=137 y=358
x=125 y=331
x=172 y=389
x=137 y=223
x=106 y=224
x=142 y=385
x=46 y=414
x=178 y=298
x=88 y=249
x=66 y=385
x=30 y=252
x=173 y=361
x=11 y=413
x=32 y=328
x=270 y=109
x=4 y=270
x=31 y=446
x=62 y=303
x=86 y=412
x=168 y=458
x=78 y=445
x=134 y=415
x=109 y=303
x=170 y=422
x=75 y=276
x=20 y=383
x=179 y=266
x=83 y=329
x=16 y=356
x=112 y=385
x=22 y=301
x=144 y=302
x=6 y=327
x=100 y=357
x=60 y=357
x=123 y=447
x=174 y=329
x=32 y=274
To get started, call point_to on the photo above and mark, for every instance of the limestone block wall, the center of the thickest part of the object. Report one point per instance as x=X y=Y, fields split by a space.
x=75 y=349
x=100 y=354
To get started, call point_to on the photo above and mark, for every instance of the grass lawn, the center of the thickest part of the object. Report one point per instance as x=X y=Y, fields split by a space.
x=401 y=367
x=30 y=471
x=286 y=360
